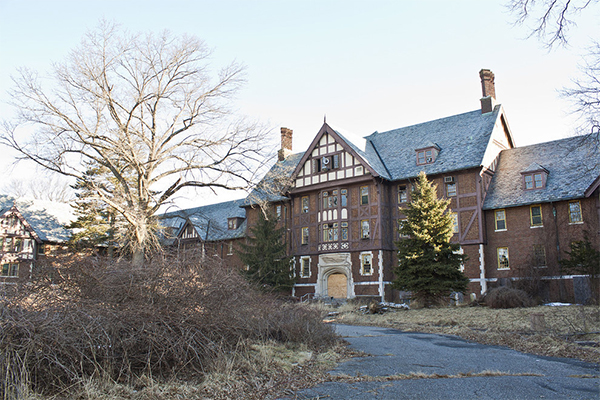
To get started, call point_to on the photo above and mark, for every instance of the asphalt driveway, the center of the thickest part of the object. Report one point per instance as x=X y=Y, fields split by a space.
x=393 y=352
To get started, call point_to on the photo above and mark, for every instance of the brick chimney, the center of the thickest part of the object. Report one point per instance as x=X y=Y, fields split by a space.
x=286 y=143
x=488 y=89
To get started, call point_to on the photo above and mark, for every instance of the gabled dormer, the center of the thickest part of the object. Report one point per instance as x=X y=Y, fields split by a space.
x=331 y=157
x=534 y=177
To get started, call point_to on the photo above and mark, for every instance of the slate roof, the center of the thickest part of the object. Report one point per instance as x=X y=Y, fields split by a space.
x=276 y=178
x=46 y=218
x=462 y=139
x=209 y=221
x=573 y=164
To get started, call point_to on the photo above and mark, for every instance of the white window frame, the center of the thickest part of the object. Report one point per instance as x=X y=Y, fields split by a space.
x=362 y=257
x=302 y=259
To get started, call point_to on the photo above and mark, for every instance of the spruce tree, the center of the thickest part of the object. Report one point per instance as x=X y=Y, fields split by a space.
x=583 y=258
x=95 y=223
x=266 y=256
x=428 y=264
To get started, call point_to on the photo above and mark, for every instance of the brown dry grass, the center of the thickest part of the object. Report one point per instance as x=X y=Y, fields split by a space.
x=506 y=327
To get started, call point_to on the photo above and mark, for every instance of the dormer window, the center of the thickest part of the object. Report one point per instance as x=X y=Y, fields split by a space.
x=232 y=223
x=534 y=177
x=427 y=155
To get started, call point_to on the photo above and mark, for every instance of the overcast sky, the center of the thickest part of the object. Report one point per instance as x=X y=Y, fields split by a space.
x=367 y=65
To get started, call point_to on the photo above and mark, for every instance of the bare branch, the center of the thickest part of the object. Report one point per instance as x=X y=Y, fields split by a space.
x=550 y=20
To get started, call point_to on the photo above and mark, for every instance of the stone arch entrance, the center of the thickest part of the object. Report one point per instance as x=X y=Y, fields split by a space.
x=335 y=276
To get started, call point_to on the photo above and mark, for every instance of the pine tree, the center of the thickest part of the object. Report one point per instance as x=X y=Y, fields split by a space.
x=428 y=264
x=583 y=258
x=266 y=256
x=95 y=223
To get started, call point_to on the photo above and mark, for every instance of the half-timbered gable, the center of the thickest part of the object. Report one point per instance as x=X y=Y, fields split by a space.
x=30 y=229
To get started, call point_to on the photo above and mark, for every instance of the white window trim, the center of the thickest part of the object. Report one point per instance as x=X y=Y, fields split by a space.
x=360 y=256
x=302 y=266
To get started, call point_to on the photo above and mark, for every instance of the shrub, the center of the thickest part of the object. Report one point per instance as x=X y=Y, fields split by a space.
x=89 y=317
x=505 y=297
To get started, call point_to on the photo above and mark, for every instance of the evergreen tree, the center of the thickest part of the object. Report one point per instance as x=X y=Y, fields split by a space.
x=583 y=259
x=266 y=256
x=95 y=223
x=428 y=264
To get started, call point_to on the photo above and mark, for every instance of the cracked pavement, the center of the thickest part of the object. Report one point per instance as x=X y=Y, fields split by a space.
x=392 y=352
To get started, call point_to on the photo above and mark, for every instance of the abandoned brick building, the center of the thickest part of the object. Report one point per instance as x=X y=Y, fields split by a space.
x=516 y=209
x=30 y=230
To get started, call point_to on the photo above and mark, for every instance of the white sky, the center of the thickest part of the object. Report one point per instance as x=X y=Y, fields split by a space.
x=366 y=65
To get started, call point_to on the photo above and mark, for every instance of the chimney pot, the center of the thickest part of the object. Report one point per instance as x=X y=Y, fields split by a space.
x=286 y=143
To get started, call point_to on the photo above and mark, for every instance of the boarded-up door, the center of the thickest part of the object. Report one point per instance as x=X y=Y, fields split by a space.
x=336 y=286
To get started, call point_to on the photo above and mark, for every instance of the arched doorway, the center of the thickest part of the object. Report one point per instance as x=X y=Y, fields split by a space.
x=337 y=286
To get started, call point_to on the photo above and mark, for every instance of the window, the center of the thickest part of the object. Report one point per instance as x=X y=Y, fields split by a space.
x=575 y=216
x=229 y=248
x=451 y=189
x=330 y=232
x=305 y=267
x=539 y=255
x=18 y=245
x=10 y=269
x=278 y=212
x=364 y=229
x=535 y=213
x=503 y=262
x=344 y=197
x=344 y=231
x=427 y=155
x=41 y=249
x=8 y=243
x=500 y=220
x=335 y=161
x=454 y=222
x=366 y=267
x=305 y=204
x=330 y=199
x=402 y=194
x=305 y=235
x=231 y=223
x=535 y=180
x=401 y=222
x=364 y=195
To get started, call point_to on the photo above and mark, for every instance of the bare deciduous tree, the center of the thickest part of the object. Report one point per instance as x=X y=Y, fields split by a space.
x=50 y=188
x=145 y=108
x=585 y=94
x=552 y=19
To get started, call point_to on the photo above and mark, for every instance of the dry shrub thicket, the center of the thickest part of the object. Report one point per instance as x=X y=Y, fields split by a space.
x=88 y=318
x=506 y=297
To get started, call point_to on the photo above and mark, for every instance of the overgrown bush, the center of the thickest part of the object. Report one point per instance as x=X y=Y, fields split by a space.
x=85 y=318
x=506 y=297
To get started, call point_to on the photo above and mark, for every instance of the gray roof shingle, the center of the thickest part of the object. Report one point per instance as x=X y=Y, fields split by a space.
x=46 y=218
x=462 y=139
x=573 y=164
x=269 y=188
x=209 y=221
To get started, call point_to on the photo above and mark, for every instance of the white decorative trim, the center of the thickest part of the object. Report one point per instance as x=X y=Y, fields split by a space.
x=482 y=279
x=381 y=288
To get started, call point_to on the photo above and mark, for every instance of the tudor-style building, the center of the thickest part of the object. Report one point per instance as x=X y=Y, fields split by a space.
x=30 y=229
x=342 y=201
